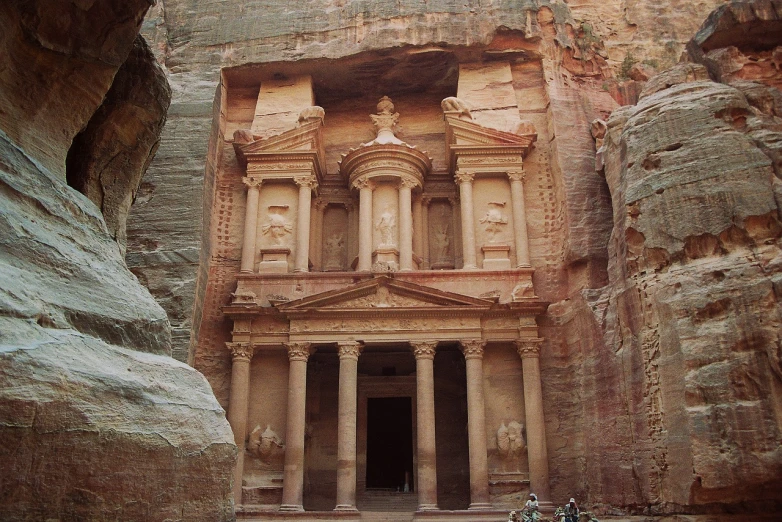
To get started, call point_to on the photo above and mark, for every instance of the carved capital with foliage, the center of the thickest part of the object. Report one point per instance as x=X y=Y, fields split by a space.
x=517 y=175
x=408 y=182
x=240 y=352
x=299 y=351
x=306 y=181
x=364 y=183
x=464 y=177
x=528 y=348
x=473 y=348
x=252 y=183
x=423 y=349
x=349 y=349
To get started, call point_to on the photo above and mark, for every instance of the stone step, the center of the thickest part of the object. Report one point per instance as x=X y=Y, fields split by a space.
x=386 y=516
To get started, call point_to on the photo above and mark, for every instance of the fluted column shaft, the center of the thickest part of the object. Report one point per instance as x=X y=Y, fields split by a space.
x=346 y=430
x=519 y=218
x=241 y=354
x=365 y=226
x=476 y=425
x=293 y=475
x=529 y=351
x=305 y=184
x=406 y=224
x=427 y=456
x=468 y=230
x=250 y=224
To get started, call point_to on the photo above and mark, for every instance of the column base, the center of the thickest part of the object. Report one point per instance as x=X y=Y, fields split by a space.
x=291 y=507
x=428 y=507
x=346 y=507
x=546 y=507
x=470 y=267
x=480 y=506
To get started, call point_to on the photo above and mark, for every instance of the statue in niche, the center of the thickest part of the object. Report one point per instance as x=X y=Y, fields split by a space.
x=494 y=220
x=277 y=226
x=442 y=242
x=385 y=226
x=265 y=444
x=333 y=250
x=510 y=441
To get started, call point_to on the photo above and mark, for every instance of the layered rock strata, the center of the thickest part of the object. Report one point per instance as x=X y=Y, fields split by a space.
x=97 y=422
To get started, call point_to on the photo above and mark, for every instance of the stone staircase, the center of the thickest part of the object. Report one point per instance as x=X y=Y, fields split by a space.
x=386 y=501
x=386 y=516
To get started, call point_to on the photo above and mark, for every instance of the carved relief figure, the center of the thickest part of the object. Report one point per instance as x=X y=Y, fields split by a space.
x=442 y=242
x=277 y=226
x=385 y=226
x=494 y=219
x=453 y=104
x=264 y=445
x=510 y=441
x=333 y=250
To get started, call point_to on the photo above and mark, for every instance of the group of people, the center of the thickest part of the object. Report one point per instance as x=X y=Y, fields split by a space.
x=531 y=513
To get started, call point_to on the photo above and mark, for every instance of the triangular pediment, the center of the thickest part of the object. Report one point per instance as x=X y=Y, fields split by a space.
x=306 y=139
x=385 y=293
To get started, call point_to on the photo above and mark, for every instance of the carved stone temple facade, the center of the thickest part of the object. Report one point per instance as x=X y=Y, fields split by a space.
x=384 y=349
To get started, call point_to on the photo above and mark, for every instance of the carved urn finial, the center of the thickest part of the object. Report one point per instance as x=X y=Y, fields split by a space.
x=385 y=120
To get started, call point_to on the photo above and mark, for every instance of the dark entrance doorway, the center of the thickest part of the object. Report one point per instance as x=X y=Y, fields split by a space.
x=389 y=443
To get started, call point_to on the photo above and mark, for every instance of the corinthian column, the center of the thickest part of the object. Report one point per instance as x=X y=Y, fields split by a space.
x=427 y=457
x=468 y=230
x=241 y=354
x=364 y=225
x=250 y=224
x=316 y=234
x=305 y=183
x=476 y=424
x=293 y=476
x=406 y=224
x=519 y=218
x=529 y=351
x=346 y=430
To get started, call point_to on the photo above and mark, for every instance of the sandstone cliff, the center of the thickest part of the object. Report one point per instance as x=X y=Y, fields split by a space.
x=97 y=422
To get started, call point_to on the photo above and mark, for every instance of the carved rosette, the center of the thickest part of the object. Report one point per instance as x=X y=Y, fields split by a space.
x=517 y=175
x=473 y=348
x=528 y=348
x=240 y=352
x=423 y=349
x=252 y=183
x=299 y=351
x=464 y=177
x=349 y=349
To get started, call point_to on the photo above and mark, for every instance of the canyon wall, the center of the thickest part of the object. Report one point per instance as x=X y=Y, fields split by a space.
x=661 y=362
x=97 y=421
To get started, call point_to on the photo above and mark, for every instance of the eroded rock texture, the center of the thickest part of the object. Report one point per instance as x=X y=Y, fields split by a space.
x=96 y=421
x=694 y=315
x=108 y=158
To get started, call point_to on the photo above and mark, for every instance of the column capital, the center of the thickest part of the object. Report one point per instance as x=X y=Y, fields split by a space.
x=528 y=348
x=453 y=201
x=240 y=351
x=349 y=349
x=307 y=180
x=299 y=351
x=517 y=175
x=252 y=182
x=320 y=204
x=426 y=200
x=423 y=349
x=464 y=177
x=473 y=348
x=408 y=182
x=363 y=183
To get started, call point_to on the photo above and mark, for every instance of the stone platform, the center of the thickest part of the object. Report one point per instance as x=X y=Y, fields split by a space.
x=247 y=513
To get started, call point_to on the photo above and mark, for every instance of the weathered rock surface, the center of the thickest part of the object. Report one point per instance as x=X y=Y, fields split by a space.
x=694 y=311
x=96 y=421
x=108 y=158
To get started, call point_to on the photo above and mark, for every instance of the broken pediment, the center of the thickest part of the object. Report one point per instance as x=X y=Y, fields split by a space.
x=386 y=292
x=303 y=143
x=464 y=137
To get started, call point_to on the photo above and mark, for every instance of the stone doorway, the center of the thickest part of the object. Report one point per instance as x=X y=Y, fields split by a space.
x=390 y=444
